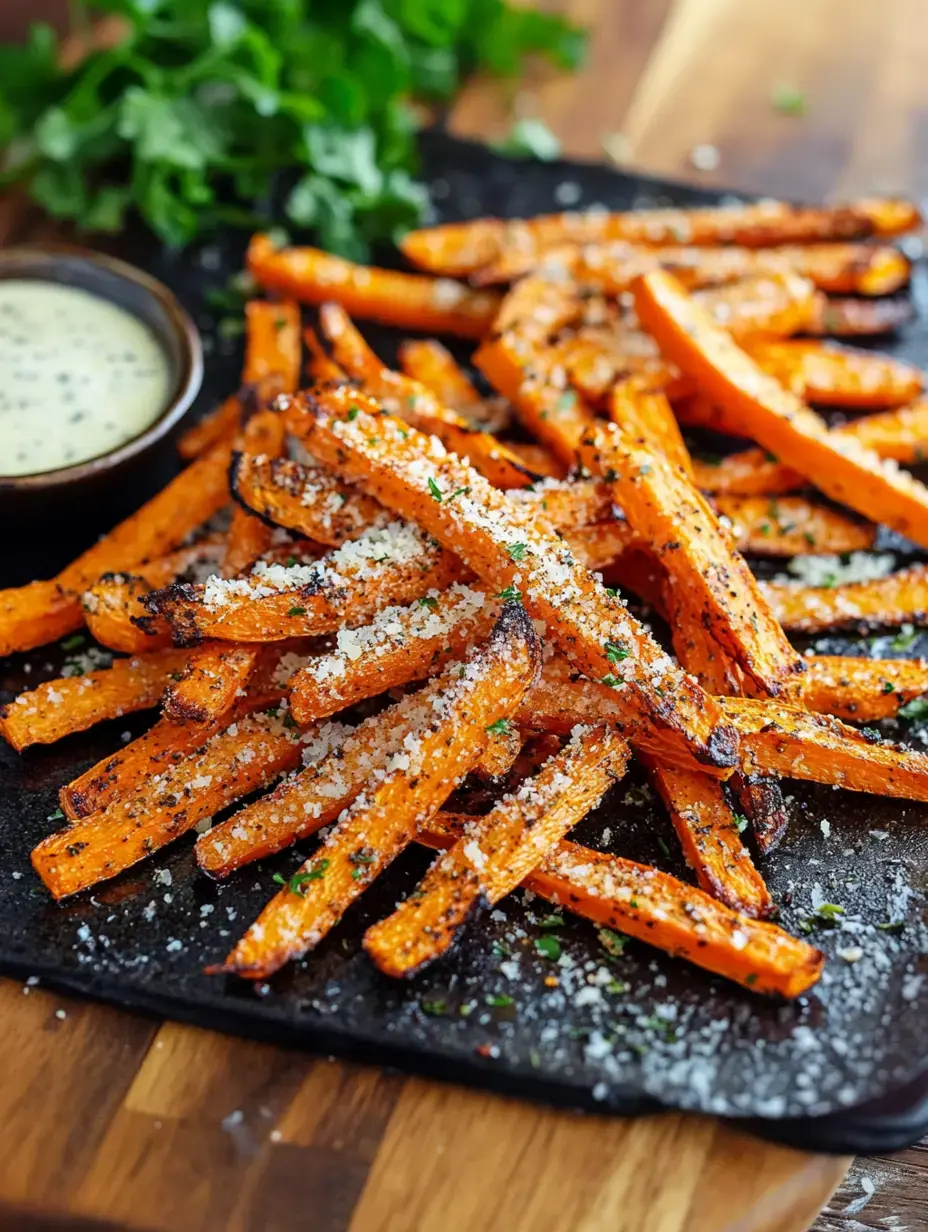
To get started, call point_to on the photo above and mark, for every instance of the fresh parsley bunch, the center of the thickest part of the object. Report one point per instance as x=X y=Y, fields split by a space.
x=203 y=112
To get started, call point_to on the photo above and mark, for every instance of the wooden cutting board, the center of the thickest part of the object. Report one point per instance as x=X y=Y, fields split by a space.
x=111 y=1120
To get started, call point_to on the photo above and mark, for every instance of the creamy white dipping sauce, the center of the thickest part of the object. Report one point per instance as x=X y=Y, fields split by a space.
x=78 y=376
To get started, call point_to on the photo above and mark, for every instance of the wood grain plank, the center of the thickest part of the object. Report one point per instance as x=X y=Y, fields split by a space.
x=885 y=1193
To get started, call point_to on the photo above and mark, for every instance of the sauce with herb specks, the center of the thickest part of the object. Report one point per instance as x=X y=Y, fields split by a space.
x=79 y=376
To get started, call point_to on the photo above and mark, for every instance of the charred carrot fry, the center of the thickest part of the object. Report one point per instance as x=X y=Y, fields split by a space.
x=399 y=645
x=792 y=526
x=643 y=413
x=433 y=365
x=232 y=764
x=273 y=602
x=249 y=537
x=384 y=820
x=209 y=684
x=776 y=418
x=415 y=404
x=497 y=852
x=462 y=248
x=710 y=837
x=516 y=554
x=830 y=375
x=409 y=301
x=789 y=741
x=855 y=318
x=59 y=707
x=113 y=607
x=862 y=690
x=664 y=508
x=892 y=600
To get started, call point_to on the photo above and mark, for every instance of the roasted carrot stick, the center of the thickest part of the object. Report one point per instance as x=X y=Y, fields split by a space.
x=830 y=375
x=664 y=508
x=273 y=602
x=461 y=248
x=210 y=683
x=776 y=418
x=768 y=305
x=643 y=413
x=792 y=526
x=500 y=755
x=516 y=554
x=417 y=405
x=567 y=503
x=249 y=538
x=537 y=307
x=433 y=365
x=57 y=708
x=384 y=820
x=709 y=834
x=751 y=472
x=497 y=852
x=538 y=459
x=862 y=690
x=233 y=763
x=272 y=342
x=219 y=425
x=892 y=600
x=855 y=318
x=399 y=645
x=409 y=301
x=901 y=434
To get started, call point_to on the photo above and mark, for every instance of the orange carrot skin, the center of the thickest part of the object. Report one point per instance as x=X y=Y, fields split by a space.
x=213 y=678
x=430 y=362
x=775 y=417
x=383 y=821
x=837 y=376
x=59 y=707
x=792 y=526
x=644 y=414
x=862 y=690
x=408 y=301
x=875 y=604
x=217 y=426
x=478 y=523
x=272 y=342
x=35 y=614
x=106 y=843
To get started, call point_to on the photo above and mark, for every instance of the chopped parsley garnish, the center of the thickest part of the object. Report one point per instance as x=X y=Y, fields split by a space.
x=788 y=100
x=72 y=642
x=429 y=601
x=615 y=652
x=611 y=682
x=353 y=413
x=297 y=611
x=299 y=879
x=740 y=821
x=612 y=592
x=548 y=947
x=433 y=1008
x=902 y=641
x=829 y=911
x=499 y=1000
x=552 y=921
x=613 y=943
x=437 y=495
x=567 y=400
x=891 y=926
x=176 y=676
x=511 y=594
x=916 y=709
x=517 y=550
x=56 y=816
x=499 y=728
x=290 y=562
x=888 y=686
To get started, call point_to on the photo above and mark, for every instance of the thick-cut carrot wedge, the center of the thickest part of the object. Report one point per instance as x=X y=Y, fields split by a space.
x=857 y=318
x=233 y=763
x=409 y=301
x=433 y=365
x=643 y=413
x=210 y=683
x=792 y=526
x=612 y=268
x=398 y=799
x=219 y=425
x=901 y=434
x=862 y=690
x=417 y=405
x=497 y=851
x=768 y=305
x=272 y=342
x=273 y=602
x=113 y=608
x=664 y=508
x=308 y=499
x=500 y=755
x=249 y=537
x=537 y=388
x=776 y=418
x=710 y=837
x=59 y=707
x=518 y=554
x=789 y=741
x=463 y=247
x=399 y=645
x=874 y=604
x=831 y=375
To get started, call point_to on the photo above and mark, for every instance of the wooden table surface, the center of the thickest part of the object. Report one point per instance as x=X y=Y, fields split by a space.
x=112 y=1120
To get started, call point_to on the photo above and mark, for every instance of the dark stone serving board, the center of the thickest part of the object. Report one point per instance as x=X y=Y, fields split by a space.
x=844 y=1068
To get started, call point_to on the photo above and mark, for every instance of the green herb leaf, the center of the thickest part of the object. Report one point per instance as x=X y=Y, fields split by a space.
x=906 y=636
x=499 y=728
x=429 y=601
x=530 y=138
x=616 y=652
x=917 y=709
x=612 y=942
x=789 y=101
x=72 y=642
x=435 y=491
x=499 y=1000
x=548 y=947
x=511 y=594
x=517 y=550
x=551 y=921
x=297 y=611
x=299 y=879
x=741 y=822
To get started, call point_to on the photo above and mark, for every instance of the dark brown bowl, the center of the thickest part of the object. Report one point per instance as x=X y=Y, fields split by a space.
x=92 y=484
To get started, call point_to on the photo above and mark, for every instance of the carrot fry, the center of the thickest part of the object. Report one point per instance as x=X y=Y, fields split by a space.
x=900 y=434
x=764 y=804
x=273 y=602
x=751 y=472
x=643 y=413
x=497 y=852
x=383 y=821
x=462 y=248
x=792 y=526
x=665 y=509
x=855 y=318
x=710 y=837
x=875 y=604
x=537 y=307
x=233 y=763
x=862 y=690
x=210 y=683
x=830 y=375
x=518 y=554
x=399 y=645
x=771 y=305
x=409 y=301
x=59 y=707
x=789 y=741
x=416 y=404
x=776 y=418
x=219 y=425
x=35 y=614
x=249 y=537
x=600 y=546
x=272 y=343
x=537 y=459
x=433 y=365
x=113 y=607
x=567 y=503
x=500 y=755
